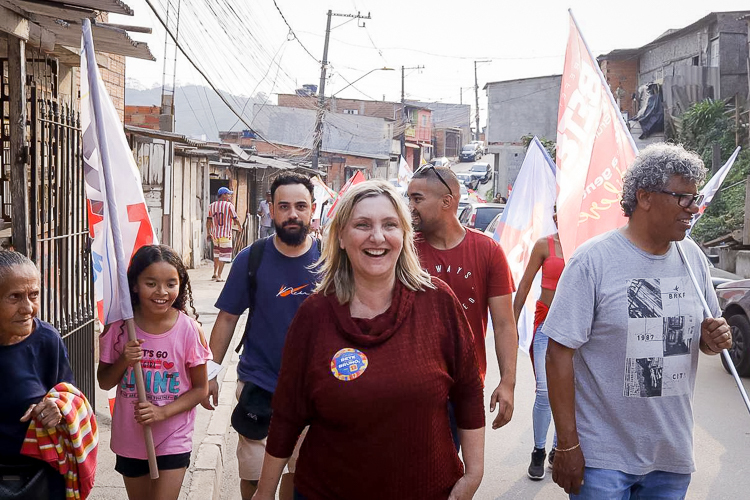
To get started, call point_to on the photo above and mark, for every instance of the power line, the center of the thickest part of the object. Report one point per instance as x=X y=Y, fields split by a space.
x=293 y=33
x=202 y=73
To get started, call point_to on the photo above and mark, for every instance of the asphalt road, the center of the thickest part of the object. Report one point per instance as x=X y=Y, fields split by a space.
x=465 y=167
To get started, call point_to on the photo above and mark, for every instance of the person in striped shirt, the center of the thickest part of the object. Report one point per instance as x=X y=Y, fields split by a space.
x=221 y=215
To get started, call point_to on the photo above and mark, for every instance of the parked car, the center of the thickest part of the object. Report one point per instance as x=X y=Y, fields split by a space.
x=479 y=215
x=467 y=180
x=462 y=204
x=441 y=162
x=720 y=276
x=470 y=152
x=490 y=229
x=734 y=299
x=481 y=172
x=481 y=145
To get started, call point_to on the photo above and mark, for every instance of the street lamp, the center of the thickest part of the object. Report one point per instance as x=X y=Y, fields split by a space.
x=321 y=109
x=358 y=79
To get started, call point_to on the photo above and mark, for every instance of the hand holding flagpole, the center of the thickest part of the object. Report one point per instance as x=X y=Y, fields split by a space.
x=111 y=203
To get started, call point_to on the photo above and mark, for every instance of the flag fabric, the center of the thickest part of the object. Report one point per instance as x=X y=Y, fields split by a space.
x=404 y=172
x=322 y=195
x=712 y=186
x=355 y=179
x=594 y=148
x=134 y=223
x=510 y=189
x=526 y=218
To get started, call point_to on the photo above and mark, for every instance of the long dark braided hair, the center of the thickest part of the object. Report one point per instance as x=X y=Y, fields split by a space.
x=150 y=254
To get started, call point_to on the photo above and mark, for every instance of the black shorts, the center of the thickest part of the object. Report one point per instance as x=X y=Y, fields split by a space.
x=134 y=467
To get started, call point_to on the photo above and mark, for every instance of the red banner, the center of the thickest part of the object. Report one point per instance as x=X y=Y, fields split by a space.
x=593 y=150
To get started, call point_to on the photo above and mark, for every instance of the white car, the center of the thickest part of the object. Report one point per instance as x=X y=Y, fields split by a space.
x=481 y=145
x=441 y=162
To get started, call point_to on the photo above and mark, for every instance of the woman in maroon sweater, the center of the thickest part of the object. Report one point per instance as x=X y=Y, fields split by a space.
x=369 y=363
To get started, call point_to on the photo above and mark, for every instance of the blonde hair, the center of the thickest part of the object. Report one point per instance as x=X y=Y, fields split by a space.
x=335 y=267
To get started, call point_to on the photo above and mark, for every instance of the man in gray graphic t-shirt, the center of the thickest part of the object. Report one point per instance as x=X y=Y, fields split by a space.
x=625 y=329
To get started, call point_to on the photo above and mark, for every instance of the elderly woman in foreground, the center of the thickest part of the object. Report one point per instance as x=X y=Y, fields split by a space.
x=369 y=363
x=33 y=360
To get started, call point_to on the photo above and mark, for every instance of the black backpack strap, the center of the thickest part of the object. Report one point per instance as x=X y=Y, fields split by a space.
x=253 y=264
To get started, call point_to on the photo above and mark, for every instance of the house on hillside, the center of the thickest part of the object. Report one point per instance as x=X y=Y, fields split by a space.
x=706 y=59
x=43 y=207
x=517 y=108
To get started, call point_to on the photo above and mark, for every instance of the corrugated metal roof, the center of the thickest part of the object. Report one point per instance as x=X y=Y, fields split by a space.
x=61 y=19
x=167 y=136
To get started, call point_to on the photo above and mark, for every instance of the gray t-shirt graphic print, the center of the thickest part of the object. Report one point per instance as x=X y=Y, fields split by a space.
x=662 y=332
x=634 y=319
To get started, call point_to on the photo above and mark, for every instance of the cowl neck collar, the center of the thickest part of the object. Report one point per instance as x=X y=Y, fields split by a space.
x=374 y=331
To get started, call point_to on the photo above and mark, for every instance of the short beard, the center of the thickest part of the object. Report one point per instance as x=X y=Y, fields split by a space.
x=293 y=239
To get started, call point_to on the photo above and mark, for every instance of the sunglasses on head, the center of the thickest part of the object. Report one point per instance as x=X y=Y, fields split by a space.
x=424 y=168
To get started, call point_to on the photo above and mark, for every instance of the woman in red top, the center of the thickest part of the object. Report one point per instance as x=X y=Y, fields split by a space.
x=369 y=363
x=547 y=255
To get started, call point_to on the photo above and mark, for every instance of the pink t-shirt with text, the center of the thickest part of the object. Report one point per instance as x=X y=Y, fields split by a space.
x=167 y=359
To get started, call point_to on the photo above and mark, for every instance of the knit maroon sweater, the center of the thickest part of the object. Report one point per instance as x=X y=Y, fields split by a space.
x=384 y=432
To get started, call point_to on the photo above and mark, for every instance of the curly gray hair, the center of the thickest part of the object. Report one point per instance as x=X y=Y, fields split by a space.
x=652 y=169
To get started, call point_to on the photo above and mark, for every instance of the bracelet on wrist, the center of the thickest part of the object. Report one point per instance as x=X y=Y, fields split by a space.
x=558 y=450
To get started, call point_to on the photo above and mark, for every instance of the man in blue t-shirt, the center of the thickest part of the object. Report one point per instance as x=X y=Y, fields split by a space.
x=283 y=280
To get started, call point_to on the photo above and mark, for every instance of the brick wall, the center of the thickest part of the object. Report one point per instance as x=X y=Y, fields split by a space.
x=114 y=76
x=622 y=74
x=142 y=116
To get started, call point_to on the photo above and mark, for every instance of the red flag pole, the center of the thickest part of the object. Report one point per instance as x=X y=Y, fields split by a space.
x=122 y=278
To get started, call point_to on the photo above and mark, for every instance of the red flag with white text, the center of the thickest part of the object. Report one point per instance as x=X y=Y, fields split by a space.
x=594 y=148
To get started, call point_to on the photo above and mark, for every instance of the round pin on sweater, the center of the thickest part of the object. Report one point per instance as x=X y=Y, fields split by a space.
x=348 y=364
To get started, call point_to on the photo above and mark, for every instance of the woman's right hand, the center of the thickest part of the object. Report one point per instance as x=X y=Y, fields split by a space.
x=133 y=352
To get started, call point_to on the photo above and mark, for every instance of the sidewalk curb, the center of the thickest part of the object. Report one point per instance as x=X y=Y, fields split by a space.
x=209 y=461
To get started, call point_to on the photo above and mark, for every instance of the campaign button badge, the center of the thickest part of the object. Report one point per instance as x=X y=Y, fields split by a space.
x=348 y=364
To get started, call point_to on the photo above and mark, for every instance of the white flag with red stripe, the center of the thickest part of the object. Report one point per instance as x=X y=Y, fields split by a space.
x=102 y=128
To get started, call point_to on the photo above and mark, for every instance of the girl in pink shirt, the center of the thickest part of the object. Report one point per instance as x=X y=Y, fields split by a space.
x=173 y=353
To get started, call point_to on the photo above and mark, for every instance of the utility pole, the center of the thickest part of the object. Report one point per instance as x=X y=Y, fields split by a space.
x=476 y=95
x=403 y=109
x=318 y=137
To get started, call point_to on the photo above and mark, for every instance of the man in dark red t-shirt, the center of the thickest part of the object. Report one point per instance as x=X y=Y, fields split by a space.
x=475 y=267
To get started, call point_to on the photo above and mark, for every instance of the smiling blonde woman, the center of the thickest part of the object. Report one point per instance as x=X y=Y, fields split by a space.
x=369 y=364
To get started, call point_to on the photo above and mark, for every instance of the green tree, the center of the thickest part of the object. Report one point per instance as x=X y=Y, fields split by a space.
x=704 y=124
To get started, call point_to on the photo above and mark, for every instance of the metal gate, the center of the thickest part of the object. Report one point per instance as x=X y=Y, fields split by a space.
x=59 y=233
x=58 y=221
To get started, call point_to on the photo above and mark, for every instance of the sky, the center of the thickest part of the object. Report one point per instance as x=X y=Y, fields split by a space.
x=245 y=46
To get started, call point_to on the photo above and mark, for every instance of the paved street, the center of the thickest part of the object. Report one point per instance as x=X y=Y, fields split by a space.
x=465 y=167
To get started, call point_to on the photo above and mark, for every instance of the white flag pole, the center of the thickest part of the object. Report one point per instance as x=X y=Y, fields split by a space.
x=709 y=314
x=122 y=264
